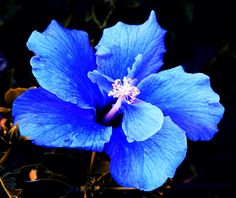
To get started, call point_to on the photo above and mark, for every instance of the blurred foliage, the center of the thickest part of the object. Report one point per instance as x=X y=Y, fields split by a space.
x=201 y=36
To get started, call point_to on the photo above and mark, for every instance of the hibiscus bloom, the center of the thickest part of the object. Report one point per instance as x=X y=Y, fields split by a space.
x=115 y=101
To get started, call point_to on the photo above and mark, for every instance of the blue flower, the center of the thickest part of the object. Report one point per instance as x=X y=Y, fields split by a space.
x=115 y=101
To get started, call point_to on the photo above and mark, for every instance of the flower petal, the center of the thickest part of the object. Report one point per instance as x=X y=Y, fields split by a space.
x=122 y=43
x=187 y=98
x=141 y=120
x=137 y=64
x=146 y=165
x=103 y=82
x=51 y=122
x=62 y=60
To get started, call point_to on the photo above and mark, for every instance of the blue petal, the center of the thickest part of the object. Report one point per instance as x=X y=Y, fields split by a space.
x=51 y=122
x=187 y=98
x=148 y=164
x=122 y=43
x=141 y=120
x=62 y=60
x=137 y=64
x=104 y=82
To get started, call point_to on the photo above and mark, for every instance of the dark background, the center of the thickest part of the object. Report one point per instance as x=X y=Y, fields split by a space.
x=201 y=36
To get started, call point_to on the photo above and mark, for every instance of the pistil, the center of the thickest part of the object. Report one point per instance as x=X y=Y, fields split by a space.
x=113 y=111
x=125 y=91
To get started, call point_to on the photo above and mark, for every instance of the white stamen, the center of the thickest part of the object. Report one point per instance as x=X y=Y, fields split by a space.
x=125 y=90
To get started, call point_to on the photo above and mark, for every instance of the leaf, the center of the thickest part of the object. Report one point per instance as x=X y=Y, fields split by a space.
x=5 y=110
x=13 y=93
x=14 y=134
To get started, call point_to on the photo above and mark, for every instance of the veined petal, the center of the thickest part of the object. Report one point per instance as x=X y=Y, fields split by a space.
x=62 y=60
x=136 y=65
x=122 y=43
x=187 y=98
x=141 y=120
x=104 y=82
x=146 y=165
x=52 y=122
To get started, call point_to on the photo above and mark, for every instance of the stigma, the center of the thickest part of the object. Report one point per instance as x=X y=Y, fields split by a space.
x=124 y=89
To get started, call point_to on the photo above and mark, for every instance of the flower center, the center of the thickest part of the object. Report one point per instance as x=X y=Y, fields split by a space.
x=125 y=90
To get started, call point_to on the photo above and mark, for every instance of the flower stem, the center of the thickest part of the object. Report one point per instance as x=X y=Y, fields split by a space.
x=92 y=162
x=85 y=187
